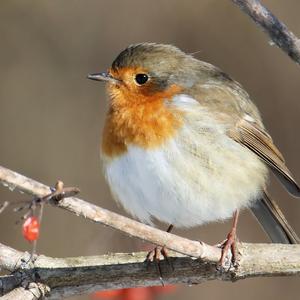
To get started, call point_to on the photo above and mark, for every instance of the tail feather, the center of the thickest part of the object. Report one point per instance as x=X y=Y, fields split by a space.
x=273 y=221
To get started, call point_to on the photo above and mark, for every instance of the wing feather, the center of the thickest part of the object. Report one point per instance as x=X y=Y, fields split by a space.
x=255 y=138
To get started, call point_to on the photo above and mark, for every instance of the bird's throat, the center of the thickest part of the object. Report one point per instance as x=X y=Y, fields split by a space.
x=147 y=124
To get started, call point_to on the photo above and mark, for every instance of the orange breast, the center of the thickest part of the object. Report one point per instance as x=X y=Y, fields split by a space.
x=139 y=119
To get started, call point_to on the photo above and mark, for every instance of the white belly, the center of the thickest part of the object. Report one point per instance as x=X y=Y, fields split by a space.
x=199 y=176
x=181 y=189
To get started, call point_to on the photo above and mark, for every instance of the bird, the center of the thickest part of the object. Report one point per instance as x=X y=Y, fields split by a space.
x=184 y=144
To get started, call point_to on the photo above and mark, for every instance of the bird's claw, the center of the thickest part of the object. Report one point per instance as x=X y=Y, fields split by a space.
x=229 y=251
x=155 y=257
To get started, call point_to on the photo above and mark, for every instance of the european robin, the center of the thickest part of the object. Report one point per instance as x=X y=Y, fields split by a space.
x=184 y=144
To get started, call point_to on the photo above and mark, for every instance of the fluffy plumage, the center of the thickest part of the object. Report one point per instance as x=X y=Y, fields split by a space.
x=187 y=146
x=182 y=182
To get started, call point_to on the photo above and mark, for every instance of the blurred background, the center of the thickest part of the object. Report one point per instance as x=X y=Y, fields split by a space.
x=51 y=116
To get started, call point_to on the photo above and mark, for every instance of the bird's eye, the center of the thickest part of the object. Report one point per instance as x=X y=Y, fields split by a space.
x=141 y=78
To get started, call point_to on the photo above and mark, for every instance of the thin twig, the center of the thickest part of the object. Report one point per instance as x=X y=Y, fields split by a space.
x=3 y=206
x=277 y=31
x=40 y=217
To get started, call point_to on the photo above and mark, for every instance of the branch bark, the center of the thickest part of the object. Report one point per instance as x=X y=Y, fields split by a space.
x=277 y=31
x=33 y=292
x=78 y=275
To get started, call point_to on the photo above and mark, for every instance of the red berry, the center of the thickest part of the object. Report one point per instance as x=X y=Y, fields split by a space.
x=31 y=229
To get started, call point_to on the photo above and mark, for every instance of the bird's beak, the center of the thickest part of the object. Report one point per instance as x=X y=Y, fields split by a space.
x=103 y=76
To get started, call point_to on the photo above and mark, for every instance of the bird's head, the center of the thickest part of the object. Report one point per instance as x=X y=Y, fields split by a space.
x=147 y=71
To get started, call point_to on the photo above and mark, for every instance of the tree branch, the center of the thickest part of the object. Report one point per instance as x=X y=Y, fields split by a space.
x=72 y=276
x=79 y=275
x=277 y=31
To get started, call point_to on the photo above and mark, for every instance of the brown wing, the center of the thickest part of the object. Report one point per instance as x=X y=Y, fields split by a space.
x=252 y=136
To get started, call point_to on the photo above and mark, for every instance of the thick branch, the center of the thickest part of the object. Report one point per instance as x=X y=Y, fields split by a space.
x=277 y=31
x=11 y=259
x=78 y=275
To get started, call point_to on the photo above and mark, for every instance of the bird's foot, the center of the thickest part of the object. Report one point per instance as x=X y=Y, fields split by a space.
x=154 y=256
x=229 y=251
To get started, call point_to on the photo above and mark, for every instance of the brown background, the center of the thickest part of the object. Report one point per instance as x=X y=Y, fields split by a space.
x=51 y=116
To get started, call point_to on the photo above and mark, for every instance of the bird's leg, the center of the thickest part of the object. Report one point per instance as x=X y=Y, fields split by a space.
x=158 y=250
x=155 y=255
x=230 y=243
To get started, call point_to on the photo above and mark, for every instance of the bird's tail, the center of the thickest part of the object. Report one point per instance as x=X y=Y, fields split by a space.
x=273 y=221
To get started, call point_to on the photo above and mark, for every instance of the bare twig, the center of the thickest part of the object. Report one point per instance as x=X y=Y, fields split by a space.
x=3 y=206
x=78 y=275
x=277 y=31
